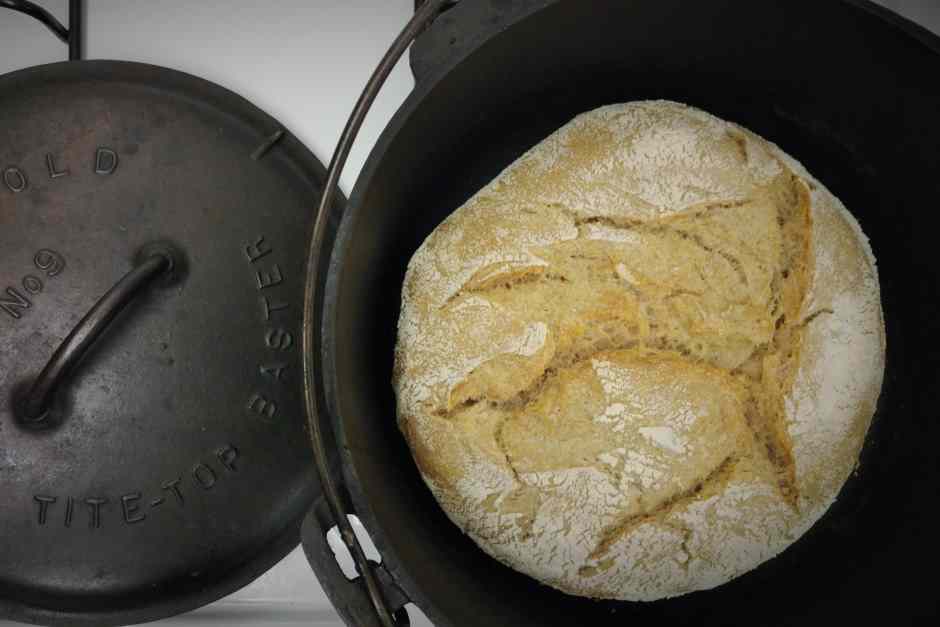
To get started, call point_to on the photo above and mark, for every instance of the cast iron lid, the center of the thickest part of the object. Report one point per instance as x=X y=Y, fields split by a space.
x=159 y=460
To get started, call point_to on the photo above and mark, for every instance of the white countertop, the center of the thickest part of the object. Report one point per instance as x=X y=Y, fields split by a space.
x=304 y=62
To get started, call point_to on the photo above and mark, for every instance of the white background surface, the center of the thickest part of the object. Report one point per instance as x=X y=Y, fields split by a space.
x=304 y=62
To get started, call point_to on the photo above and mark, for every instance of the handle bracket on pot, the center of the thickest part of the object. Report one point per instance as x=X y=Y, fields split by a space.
x=345 y=594
x=462 y=28
x=367 y=600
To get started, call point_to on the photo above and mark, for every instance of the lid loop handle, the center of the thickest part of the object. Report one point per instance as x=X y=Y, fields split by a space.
x=35 y=405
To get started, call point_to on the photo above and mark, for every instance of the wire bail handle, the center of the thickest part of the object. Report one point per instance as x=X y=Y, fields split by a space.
x=427 y=11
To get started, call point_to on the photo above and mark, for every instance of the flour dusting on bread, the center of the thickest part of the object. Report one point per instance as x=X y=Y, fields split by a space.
x=644 y=358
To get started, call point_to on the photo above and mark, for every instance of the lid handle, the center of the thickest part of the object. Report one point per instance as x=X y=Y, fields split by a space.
x=155 y=262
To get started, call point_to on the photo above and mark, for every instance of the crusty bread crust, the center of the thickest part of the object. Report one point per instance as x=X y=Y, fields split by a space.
x=644 y=358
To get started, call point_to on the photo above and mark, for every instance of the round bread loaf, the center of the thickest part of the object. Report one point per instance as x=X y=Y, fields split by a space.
x=643 y=360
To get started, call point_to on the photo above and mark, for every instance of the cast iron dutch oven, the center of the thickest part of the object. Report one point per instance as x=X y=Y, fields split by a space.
x=845 y=86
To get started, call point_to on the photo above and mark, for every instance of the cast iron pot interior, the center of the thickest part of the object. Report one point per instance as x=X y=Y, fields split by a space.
x=844 y=87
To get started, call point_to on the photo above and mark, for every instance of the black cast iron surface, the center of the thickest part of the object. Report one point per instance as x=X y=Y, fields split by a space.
x=174 y=466
x=844 y=86
x=384 y=601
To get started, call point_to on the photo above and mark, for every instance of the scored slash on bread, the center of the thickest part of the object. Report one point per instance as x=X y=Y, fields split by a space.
x=643 y=359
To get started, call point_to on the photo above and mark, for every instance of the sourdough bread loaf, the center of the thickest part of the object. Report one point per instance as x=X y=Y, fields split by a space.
x=642 y=360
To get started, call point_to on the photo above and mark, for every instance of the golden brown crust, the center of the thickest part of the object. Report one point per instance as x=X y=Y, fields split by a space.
x=611 y=360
